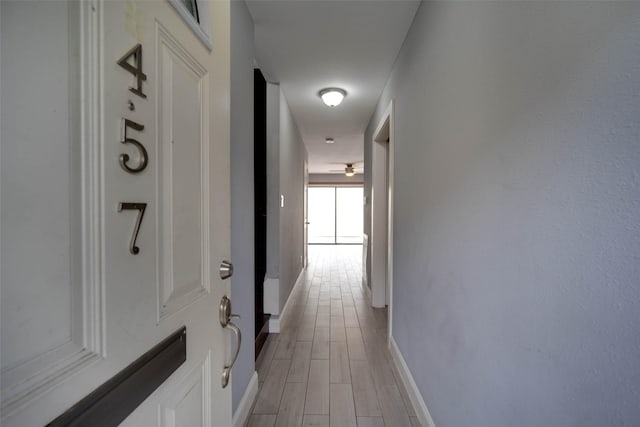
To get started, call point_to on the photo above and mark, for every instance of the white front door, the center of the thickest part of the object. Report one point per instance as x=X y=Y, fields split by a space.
x=88 y=284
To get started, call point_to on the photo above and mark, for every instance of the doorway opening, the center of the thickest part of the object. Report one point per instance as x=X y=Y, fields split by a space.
x=335 y=215
x=381 y=239
x=260 y=205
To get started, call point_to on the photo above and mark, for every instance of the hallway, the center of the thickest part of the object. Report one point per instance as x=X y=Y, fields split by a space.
x=330 y=365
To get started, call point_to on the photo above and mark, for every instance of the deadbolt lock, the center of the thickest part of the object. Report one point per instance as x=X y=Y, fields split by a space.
x=226 y=269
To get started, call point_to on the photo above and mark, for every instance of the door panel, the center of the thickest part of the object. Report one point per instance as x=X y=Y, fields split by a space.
x=183 y=193
x=189 y=404
x=77 y=305
x=48 y=256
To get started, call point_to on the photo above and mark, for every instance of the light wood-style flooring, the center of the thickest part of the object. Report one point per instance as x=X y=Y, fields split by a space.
x=330 y=365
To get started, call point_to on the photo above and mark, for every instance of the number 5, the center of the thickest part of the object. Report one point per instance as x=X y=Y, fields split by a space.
x=124 y=158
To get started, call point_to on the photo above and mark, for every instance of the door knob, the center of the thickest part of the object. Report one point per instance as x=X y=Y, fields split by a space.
x=225 y=321
x=225 y=312
x=226 y=269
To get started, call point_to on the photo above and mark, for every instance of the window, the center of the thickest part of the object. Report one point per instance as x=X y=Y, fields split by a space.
x=196 y=15
x=192 y=8
x=335 y=215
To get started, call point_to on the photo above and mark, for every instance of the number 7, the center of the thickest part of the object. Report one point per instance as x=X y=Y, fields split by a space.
x=140 y=207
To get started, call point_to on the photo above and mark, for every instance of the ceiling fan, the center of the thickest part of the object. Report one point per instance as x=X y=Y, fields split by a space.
x=349 y=170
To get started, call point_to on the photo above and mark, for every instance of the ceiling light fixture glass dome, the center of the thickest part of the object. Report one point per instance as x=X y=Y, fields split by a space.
x=332 y=96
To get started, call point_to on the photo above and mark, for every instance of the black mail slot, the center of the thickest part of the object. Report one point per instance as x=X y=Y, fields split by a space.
x=113 y=401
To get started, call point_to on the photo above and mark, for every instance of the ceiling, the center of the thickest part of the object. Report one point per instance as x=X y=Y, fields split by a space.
x=308 y=45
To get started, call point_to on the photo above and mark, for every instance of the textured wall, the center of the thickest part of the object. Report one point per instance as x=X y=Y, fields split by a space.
x=273 y=180
x=292 y=156
x=242 y=203
x=517 y=211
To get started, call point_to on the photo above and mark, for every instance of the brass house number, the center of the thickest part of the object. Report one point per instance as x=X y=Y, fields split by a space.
x=132 y=62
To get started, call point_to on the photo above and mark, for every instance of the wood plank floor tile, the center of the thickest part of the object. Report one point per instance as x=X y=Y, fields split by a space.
x=320 y=347
x=403 y=391
x=268 y=400
x=370 y=422
x=348 y=302
x=266 y=356
x=334 y=348
x=355 y=344
x=338 y=334
x=393 y=409
x=262 y=421
x=292 y=407
x=286 y=344
x=380 y=367
x=315 y=421
x=337 y=321
x=299 y=369
x=306 y=332
x=343 y=412
x=380 y=317
x=324 y=310
x=350 y=318
x=317 y=401
x=323 y=321
x=364 y=391
x=339 y=363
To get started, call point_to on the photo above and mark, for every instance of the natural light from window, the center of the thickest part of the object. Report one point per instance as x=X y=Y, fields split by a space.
x=335 y=215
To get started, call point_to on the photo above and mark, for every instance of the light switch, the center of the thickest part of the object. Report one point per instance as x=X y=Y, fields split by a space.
x=282 y=200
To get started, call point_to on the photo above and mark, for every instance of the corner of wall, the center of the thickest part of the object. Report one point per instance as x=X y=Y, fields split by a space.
x=419 y=406
x=243 y=411
x=276 y=322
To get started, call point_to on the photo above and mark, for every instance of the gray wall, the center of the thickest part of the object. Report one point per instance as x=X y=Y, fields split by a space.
x=286 y=154
x=242 y=204
x=273 y=180
x=517 y=207
x=292 y=156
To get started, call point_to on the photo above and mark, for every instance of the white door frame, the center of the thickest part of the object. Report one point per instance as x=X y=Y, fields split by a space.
x=305 y=215
x=381 y=239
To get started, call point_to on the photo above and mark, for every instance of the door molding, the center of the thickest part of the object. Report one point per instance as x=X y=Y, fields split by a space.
x=172 y=297
x=381 y=238
x=86 y=344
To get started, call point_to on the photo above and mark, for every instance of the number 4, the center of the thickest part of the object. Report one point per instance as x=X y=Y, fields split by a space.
x=135 y=53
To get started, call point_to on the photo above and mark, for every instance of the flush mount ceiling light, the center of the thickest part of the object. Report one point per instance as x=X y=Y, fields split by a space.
x=332 y=96
x=329 y=140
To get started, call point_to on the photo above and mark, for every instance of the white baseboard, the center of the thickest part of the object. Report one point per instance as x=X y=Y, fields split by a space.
x=275 y=322
x=410 y=385
x=271 y=296
x=243 y=411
